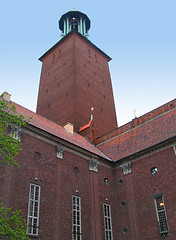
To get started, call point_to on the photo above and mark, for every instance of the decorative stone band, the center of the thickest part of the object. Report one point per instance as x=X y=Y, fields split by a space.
x=126 y=168
x=93 y=165
x=59 y=151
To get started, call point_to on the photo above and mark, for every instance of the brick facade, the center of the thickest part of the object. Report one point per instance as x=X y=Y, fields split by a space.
x=130 y=196
x=75 y=77
x=115 y=171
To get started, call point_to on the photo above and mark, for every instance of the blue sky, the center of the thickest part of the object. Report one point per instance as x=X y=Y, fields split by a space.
x=139 y=35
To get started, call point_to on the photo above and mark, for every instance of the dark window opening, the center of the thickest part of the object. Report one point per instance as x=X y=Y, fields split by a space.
x=125 y=230
x=120 y=181
x=161 y=215
x=154 y=171
x=74 y=24
x=106 y=181
x=123 y=203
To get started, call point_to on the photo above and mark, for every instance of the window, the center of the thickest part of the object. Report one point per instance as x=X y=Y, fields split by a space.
x=120 y=181
x=76 y=218
x=74 y=23
x=123 y=203
x=33 y=209
x=125 y=230
x=107 y=221
x=106 y=181
x=161 y=214
x=154 y=171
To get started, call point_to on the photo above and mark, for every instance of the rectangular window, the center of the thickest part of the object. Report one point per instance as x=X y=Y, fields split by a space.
x=33 y=209
x=76 y=218
x=107 y=221
x=161 y=214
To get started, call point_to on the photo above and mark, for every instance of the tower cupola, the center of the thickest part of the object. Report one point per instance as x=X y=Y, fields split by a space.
x=74 y=20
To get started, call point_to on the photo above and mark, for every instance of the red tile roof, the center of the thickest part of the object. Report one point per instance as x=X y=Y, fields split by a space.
x=152 y=132
x=57 y=130
x=137 y=121
x=141 y=137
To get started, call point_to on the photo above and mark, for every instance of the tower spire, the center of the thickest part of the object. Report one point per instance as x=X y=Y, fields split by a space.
x=74 y=20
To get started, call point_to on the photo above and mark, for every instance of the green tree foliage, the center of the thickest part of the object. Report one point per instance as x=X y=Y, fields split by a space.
x=9 y=147
x=12 y=227
x=11 y=224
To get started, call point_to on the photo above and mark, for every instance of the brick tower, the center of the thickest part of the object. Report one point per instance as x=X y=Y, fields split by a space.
x=75 y=77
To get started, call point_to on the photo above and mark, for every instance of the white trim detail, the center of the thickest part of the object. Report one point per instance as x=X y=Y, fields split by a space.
x=126 y=168
x=93 y=165
x=59 y=151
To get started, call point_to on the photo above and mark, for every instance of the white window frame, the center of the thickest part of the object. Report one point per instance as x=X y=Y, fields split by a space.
x=33 y=210
x=161 y=214
x=107 y=221
x=76 y=218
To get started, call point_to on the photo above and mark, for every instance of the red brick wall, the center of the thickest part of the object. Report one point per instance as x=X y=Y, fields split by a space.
x=37 y=159
x=138 y=188
x=93 y=193
x=60 y=178
x=94 y=89
x=75 y=77
x=55 y=99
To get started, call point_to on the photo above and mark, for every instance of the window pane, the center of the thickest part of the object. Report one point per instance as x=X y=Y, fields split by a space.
x=74 y=219
x=36 y=193
x=31 y=208
x=32 y=192
x=107 y=235
x=109 y=224
x=35 y=226
x=110 y=236
x=106 y=223
x=36 y=210
x=29 y=230
x=105 y=211
x=108 y=211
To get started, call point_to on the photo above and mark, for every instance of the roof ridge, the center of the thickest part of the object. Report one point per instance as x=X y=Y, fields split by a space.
x=136 y=126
